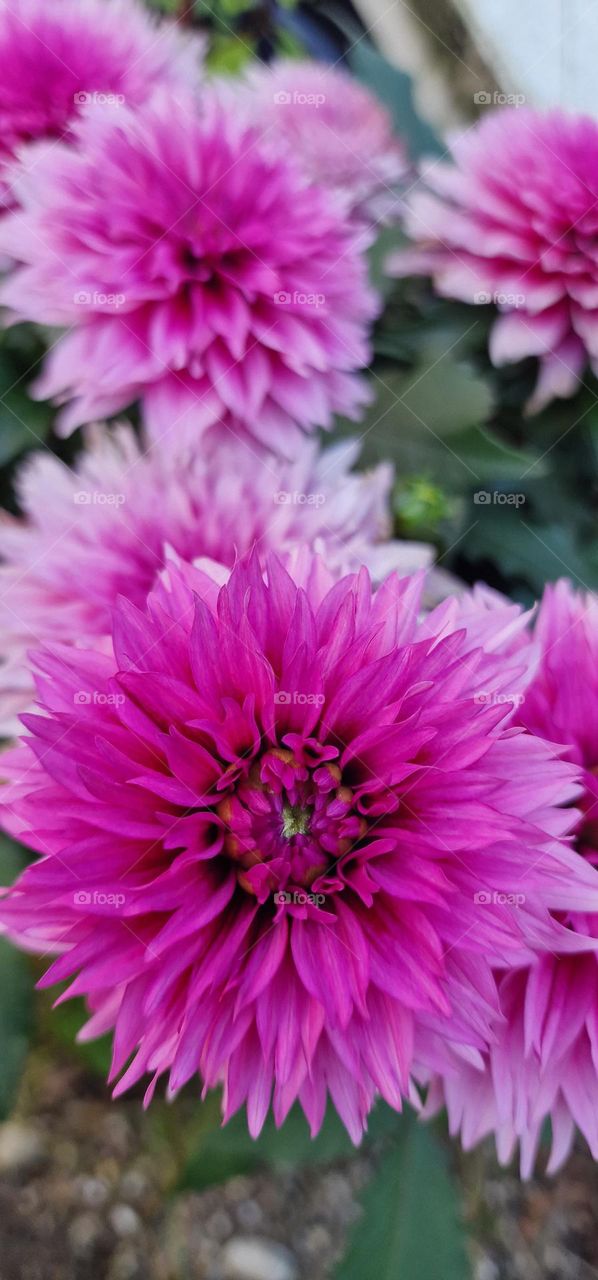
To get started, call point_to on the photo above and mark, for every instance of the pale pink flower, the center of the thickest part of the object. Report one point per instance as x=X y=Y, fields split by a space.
x=340 y=132
x=543 y=1064
x=513 y=222
x=104 y=526
x=59 y=56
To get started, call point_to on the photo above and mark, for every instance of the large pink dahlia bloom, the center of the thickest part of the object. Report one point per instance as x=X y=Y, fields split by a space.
x=103 y=527
x=544 y=1062
x=338 y=130
x=265 y=822
x=513 y=222
x=194 y=269
x=58 y=57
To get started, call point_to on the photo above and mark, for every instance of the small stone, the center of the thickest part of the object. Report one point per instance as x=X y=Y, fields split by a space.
x=124 y=1221
x=93 y=1191
x=486 y=1269
x=337 y=1195
x=317 y=1239
x=134 y=1185
x=254 y=1258
x=219 y=1224
x=85 y=1231
x=237 y=1188
x=126 y=1265
x=250 y=1215
x=21 y=1147
x=65 y=1155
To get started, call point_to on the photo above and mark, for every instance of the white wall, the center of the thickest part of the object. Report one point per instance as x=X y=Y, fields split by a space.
x=545 y=49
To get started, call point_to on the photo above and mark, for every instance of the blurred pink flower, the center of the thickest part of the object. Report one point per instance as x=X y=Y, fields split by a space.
x=341 y=132
x=103 y=527
x=266 y=820
x=544 y=1063
x=514 y=222
x=58 y=57
x=195 y=270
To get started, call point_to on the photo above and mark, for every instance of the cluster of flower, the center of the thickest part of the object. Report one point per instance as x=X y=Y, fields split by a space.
x=297 y=835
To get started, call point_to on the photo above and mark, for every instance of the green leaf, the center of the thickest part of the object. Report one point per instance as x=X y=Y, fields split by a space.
x=64 y=1022
x=24 y=423
x=13 y=858
x=227 y=54
x=394 y=88
x=16 y=994
x=410 y=1229
x=387 y=241
x=442 y=393
x=429 y=422
x=408 y=421
x=445 y=393
x=224 y=1152
x=492 y=458
x=15 y=1021
x=527 y=551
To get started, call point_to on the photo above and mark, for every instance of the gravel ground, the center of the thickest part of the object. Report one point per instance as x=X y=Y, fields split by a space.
x=86 y=1193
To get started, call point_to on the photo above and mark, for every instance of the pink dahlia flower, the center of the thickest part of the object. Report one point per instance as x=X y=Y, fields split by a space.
x=544 y=1062
x=339 y=131
x=514 y=222
x=58 y=57
x=102 y=528
x=194 y=269
x=265 y=821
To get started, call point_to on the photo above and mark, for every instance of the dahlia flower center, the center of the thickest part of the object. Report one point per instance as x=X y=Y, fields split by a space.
x=288 y=823
x=295 y=821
